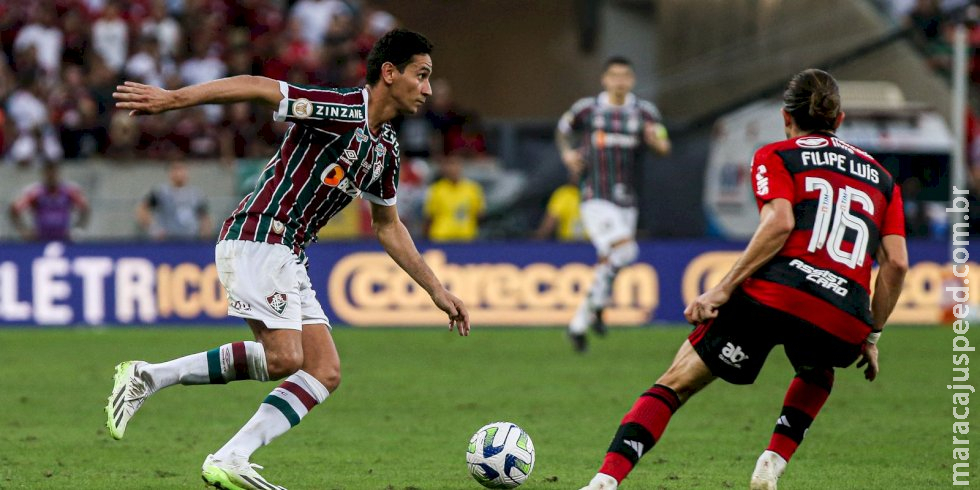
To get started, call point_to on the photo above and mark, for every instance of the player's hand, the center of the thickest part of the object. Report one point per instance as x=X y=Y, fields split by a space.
x=705 y=307
x=869 y=356
x=453 y=306
x=574 y=161
x=142 y=99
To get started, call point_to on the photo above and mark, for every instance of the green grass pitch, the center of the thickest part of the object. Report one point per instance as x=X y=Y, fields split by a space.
x=411 y=398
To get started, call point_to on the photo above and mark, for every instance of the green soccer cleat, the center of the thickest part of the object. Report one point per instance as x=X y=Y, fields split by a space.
x=235 y=473
x=129 y=391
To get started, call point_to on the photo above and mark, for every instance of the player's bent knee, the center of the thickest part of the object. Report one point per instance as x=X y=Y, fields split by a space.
x=624 y=254
x=282 y=364
x=330 y=379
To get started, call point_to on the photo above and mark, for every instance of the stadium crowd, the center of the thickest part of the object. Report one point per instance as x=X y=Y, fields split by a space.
x=61 y=60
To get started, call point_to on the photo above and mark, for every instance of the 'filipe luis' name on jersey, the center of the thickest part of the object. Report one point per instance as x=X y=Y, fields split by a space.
x=327 y=158
x=611 y=139
x=844 y=202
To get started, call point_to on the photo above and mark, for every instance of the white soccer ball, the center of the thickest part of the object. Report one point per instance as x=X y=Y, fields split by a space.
x=500 y=455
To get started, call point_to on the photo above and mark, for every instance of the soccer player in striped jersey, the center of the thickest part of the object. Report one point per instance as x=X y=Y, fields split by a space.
x=340 y=146
x=601 y=139
x=827 y=211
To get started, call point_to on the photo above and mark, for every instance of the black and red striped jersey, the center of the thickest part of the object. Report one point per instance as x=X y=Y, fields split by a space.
x=844 y=202
x=328 y=157
x=611 y=140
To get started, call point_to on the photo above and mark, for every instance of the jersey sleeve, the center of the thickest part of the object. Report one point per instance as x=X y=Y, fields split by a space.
x=894 y=222
x=574 y=118
x=320 y=106
x=77 y=196
x=649 y=112
x=770 y=179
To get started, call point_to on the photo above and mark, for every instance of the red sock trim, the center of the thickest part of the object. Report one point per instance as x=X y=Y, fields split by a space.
x=783 y=446
x=617 y=466
x=805 y=397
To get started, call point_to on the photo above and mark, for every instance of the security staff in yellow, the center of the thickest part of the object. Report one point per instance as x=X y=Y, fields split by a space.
x=454 y=205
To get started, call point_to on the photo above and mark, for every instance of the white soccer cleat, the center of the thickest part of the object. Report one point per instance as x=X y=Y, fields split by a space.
x=602 y=481
x=234 y=473
x=129 y=391
x=768 y=469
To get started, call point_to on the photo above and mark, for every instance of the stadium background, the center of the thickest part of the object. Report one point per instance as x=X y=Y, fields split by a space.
x=513 y=67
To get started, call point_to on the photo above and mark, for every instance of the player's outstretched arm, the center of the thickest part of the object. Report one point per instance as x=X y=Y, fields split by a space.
x=396 y=240
x=142 y=99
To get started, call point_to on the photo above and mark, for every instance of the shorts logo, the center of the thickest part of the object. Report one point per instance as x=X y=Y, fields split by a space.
x=277 y=301
x=240 y=305
x=302 y=108
x=812 y=142
x=732 y=355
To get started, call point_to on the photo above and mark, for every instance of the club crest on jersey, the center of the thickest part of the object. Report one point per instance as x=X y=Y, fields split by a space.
x=302 y=108
x=333 y=175
x=359 y=135
x=378 y=167
x=811 y=142
x=277 y=301
x=278 y=227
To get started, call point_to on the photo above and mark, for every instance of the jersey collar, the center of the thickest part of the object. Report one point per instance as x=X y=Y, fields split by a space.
x=603 y=99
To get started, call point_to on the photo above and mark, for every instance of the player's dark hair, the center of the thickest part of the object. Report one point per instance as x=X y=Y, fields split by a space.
x=397 y=47
x=813 y=100
x=617 y=60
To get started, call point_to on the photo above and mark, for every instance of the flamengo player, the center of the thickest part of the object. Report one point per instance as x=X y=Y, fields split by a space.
x=827 y=209
x=339 y=147
x=611 y=130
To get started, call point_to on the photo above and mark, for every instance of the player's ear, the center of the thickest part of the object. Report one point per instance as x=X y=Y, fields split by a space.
x=388 y=70
x=839 y=120
x=787 y=119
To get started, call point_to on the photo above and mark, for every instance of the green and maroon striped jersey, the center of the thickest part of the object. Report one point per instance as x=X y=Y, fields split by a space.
x=327 y=158
x=610 y=139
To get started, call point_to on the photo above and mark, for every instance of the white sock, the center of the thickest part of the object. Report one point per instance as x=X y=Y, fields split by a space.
x=601 y=290
x=279 y=412
x=229 y=362
x=580 y=322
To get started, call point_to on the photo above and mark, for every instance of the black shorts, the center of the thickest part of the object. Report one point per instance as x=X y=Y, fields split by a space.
x=735 y=344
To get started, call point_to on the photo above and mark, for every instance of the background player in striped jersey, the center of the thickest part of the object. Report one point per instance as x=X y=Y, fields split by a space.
x=601 y=139
x=827 y=209
x=341 y=146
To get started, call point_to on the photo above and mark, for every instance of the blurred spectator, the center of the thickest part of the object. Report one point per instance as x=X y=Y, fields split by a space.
x=35 y=139
x=562 y=219
x=454 y=205
x=76 y=115
x=164 y=28
x=44 y=36
x=52 y=202
x=110 y=37
x=315 y=18
x=148 y=66
x=175 y=210
x=76 y=29
x=204 y=65
x=458 y=129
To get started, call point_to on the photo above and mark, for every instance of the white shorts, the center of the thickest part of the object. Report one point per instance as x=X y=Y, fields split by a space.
x=264 y=282
x=607 y=223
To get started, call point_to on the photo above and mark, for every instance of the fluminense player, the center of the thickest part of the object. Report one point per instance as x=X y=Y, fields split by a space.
x=601 y=139
x=340 y=146
x=827 y=211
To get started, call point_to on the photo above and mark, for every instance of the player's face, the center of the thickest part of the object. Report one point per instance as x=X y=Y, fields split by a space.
x=411 y=87
x=618 y=79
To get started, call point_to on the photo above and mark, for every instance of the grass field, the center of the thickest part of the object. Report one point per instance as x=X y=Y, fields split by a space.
x=410 y=400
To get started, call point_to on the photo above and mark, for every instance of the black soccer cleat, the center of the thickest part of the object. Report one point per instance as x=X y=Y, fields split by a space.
x=579 y=343
x=598 y=325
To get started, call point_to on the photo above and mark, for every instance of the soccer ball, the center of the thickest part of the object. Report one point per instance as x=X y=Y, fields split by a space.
x=500 y=455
